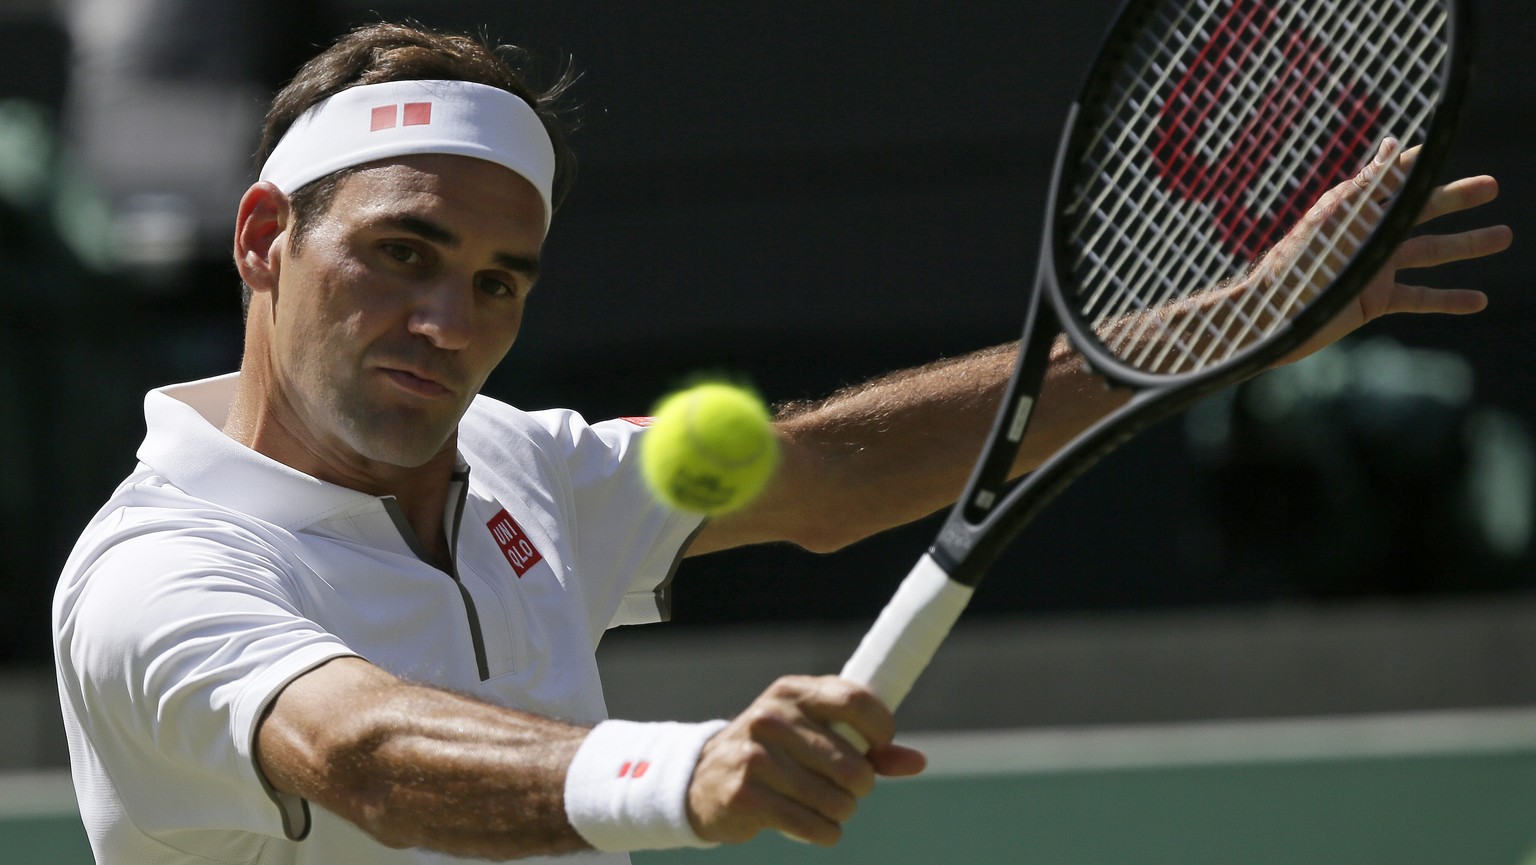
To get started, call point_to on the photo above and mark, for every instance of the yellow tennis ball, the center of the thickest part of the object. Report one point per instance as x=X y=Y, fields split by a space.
x=710 y=448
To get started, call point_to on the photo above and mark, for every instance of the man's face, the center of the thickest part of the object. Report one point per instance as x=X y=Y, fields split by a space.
x=399 y=302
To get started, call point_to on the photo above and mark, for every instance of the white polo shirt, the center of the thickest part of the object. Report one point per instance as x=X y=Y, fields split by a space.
x=215 y=575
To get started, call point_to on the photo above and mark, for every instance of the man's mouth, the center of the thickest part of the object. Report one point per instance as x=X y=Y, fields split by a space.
x=415 y=382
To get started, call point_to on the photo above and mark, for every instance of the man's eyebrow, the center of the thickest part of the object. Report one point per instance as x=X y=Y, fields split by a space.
x=527 y=265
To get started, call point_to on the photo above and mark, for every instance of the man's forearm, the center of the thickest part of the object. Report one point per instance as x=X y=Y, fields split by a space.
x=420 y=767
x=902 y=446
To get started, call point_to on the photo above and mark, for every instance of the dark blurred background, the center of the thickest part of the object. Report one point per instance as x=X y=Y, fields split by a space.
x=804 y=193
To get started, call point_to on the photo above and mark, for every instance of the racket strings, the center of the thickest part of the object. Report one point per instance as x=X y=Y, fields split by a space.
x=1113 y=213
x=1230 y=120
x=1171 y=268
x=1332 y=241
x=1231 y=318
x=1325 y=246
x=1211 y=251
x=1213 y=148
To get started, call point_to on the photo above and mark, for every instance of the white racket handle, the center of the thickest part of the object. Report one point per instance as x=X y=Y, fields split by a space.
x=905 y=637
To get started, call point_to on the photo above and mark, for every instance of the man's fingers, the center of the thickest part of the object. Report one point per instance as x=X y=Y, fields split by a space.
x=1430 y=250
x=760 y=796
x=1407 y=158
x=802 y=751
x=1463 y=194
x=1458 y=195
x=1385 y=154
x=1443 y=301
x=809 y=788
x=828 y=702
x=897 y=761
x=792 y=798
x=857 y=707
x=781 y=765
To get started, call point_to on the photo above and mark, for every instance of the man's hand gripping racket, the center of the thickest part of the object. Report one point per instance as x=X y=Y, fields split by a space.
x=1232 y=175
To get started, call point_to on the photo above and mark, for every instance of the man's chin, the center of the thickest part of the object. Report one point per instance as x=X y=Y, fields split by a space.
x=405 y=457
x=406 y=437
x=410 y=449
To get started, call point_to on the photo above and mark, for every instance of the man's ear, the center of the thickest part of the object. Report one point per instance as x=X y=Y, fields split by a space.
x=260 y=226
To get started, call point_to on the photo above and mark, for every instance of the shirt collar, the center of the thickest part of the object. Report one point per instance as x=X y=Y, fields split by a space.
x=186 y=444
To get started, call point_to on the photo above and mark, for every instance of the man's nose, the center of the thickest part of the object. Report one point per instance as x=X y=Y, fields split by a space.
x=443 y=313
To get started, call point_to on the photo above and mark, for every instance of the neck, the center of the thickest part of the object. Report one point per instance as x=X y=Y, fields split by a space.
x=262 y=420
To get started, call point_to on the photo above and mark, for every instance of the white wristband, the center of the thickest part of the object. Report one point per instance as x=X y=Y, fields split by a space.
x=627 y=787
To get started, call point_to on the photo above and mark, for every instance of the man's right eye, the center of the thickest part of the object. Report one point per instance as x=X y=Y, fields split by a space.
x=402 y=253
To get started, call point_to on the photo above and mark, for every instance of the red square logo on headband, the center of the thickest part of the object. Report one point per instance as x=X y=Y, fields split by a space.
x=384 y=117
x=417 y=114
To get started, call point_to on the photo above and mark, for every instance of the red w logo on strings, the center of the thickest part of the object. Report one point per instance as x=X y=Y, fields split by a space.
x=1210 y=90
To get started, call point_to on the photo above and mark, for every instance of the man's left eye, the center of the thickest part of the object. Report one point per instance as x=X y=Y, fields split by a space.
x=496 y=287
x=401 y=252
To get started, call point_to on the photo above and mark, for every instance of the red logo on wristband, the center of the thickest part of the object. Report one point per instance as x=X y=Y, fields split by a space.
x=633 y=770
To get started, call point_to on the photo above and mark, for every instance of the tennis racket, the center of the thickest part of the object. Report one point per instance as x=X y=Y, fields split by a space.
x=1231 y=175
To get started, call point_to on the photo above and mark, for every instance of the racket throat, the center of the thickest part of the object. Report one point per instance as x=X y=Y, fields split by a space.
x=993 y=475
x=992 y=478
x=981 y=499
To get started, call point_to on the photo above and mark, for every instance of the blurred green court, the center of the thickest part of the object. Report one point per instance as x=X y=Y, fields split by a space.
x=1445 y=788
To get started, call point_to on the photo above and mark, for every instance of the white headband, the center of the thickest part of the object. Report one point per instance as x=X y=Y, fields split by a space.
x=398 y=118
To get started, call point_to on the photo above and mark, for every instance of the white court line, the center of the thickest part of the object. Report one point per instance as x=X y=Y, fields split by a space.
x=40 y=793
x=1011 y=752
x=1055 y=750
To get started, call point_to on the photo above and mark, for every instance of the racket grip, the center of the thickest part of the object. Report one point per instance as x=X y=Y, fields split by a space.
x=905 y=637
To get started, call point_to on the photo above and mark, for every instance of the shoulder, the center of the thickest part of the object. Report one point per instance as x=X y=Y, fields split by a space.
x=154 y=546
x=561 y=434
x=146 y=602
x=148 y=509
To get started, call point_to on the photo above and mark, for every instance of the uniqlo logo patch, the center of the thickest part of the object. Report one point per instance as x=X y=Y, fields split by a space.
x=409 y=114
x=514 y=543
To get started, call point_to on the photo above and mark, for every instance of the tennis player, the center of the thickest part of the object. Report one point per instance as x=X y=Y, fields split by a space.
x=345 y=609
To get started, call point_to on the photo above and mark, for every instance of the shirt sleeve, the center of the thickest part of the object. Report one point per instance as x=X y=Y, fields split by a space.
x=624 y=545
x=640 y=536
x=172 y=643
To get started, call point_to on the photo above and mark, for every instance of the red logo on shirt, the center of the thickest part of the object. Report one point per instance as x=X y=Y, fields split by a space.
x=388 y=116
x=514 y=543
